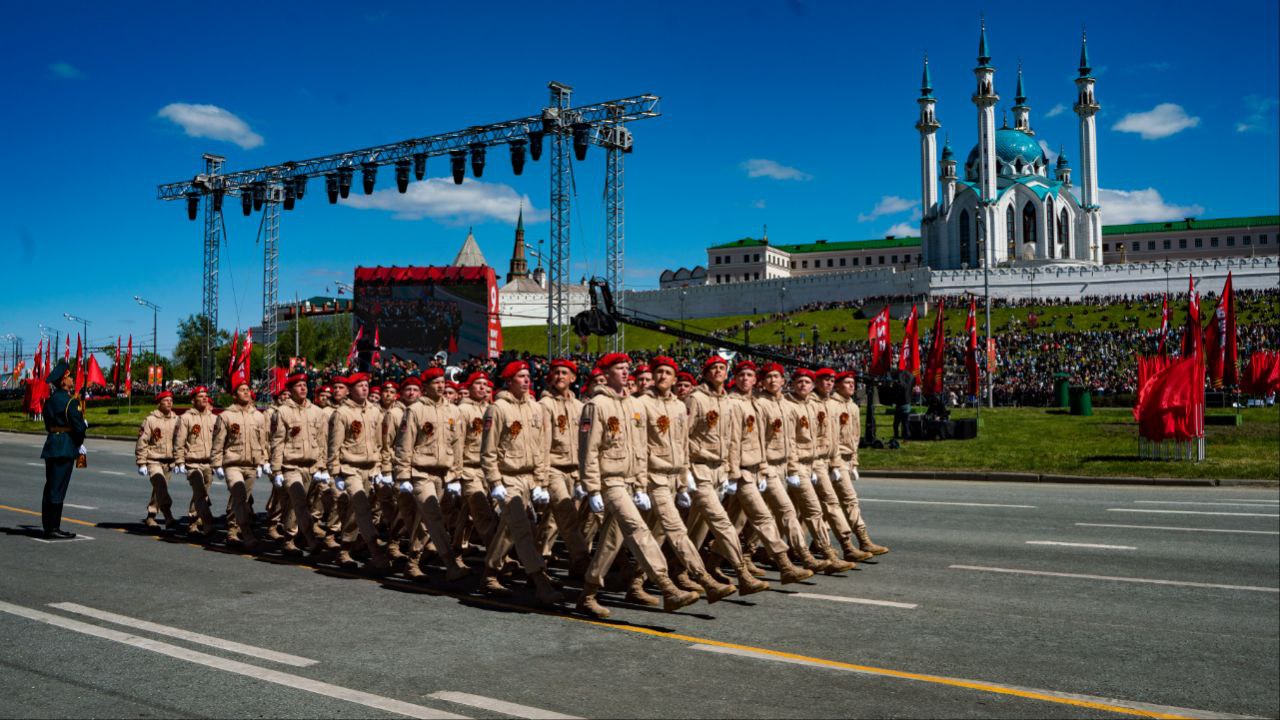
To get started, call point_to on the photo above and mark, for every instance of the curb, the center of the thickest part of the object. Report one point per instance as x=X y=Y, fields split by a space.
x=86 y=437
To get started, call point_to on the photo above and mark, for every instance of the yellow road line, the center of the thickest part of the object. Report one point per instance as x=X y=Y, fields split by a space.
x=868 y=669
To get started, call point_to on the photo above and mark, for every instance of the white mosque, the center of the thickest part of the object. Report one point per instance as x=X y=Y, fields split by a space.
x=1011 y=207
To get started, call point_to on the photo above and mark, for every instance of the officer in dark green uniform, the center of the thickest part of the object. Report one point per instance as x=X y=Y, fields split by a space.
x=66 y=428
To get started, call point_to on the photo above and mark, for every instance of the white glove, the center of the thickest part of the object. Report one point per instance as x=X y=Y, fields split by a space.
x=320 y=476
x=341 y=484
x=262 y=472
x=222 y=474
x=683 y=500
x=856 y=477
x=813 y=479
x=278 y=480
x=762 y=484
x=86 y=427
x=690 y=482
x=579 y=492
x=835 y=474
x=540 y=496
x=499 y=493
x=142 y=470
x=642 y=501
x=406 y=487
x=381 y=479
x=454 y=488
x=731 y=487
x=596 y=503
x=83 y=451
x=181 y=469
x=793 y=481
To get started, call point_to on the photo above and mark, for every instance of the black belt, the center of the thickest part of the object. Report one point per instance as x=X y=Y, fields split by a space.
x=59 y=429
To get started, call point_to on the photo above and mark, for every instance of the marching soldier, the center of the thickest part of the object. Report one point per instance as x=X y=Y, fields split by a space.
x=844 y=470
x=476 y=512
x=297 y=453
x=404 y=518
x=65 y=442
x=826 y=454
x=278 y=513
x=612 y=454
x=513 y=451
x=563 y=413
x=355 y=459
x=192 y=454
x=239 y=454
x=153 y=453
x=383 y=497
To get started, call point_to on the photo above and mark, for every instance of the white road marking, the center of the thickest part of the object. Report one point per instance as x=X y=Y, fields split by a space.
x=1116 y=578
x=39 y=465
x=1187 y=529
x=1192 y=512
x=943 y=502
x=860 y=601
x=297 y=682
x=80 y=507
x=1193 y=502
x=77 y=538
x=1256 y=500
x=1156 y=709
x=228 y=645
x=499 y=706
x=1081 y=545
x=111 y=472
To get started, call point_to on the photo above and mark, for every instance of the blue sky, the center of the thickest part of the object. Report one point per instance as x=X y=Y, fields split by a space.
x=797 y=114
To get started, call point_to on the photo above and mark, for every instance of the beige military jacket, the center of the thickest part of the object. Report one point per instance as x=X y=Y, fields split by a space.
x=155 y=438
x=355 y=439
x=824 y=437
x=711 y=430
x=431 y=439
x=667 y=434
x=240 y=438
x=515 y=439
x=297 y=437
x=612 y=443
x=803 y=420
x=563 y=414
x=775 y=426
x=848 y=419
x=750 y=433
x=391 y=419
x=193 y=438
x=472 y=416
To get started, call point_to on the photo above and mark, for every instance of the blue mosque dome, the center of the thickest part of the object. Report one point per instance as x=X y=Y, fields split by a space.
x=1011 y=146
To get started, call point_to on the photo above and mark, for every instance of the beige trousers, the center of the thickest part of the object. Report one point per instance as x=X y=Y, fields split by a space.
x=666 y=524
x=623 y=525
x=707 y=509
x=297 y=486
x=784 y=511
x=831 y=509
x=240 y=484
x=515 y=529
x=849 y=498
x=160 y=500
x=200 y=477
x=428 y=489
x=752 y=504
x=561 y=517
x=357 y=522
x=809 y=507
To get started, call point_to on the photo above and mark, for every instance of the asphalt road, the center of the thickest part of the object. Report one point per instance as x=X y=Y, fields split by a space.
x=997 y=600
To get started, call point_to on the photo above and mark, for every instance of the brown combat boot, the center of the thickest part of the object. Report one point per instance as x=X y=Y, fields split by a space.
x=851 y=551
x=684 y=582
x=493 y=586
x=394 y=551
x=715 y=590
x=748 y=584
x=834 y=564
x=790 y=573
x=345 y=561
x=274 y=534
x=865 y=541
x=673 y=598
x=458 y=570
x=413 y=571
x=636 y=593
x=544 y=593
x=151 y=522
x=809 y=562
x=587 y=604
x=751 y=567
x=712 y=562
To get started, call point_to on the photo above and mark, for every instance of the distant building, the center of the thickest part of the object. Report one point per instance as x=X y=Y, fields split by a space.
x=523 y=299
x=1192 y=239
x=751 y=259
x=683 y=277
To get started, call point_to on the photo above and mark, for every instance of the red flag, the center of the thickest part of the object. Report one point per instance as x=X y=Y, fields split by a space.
x=115 y=370
x=278 y=376
x=1263 y=377
x=128 y=369
x=935 y=369
x=37 y=367
x=79 y=364
x=1220 y=340
x=48 y=360
x=1164 y=323
x=66 y=354
x=231 y=363
x=151 y=374
x=159 y=374
x=94 y=373
x=1171 y=404
x=246 y=355
x=1191 y=338
x=351 y=354
x=972 y=351
x=880 y=339
x=377 y=345
x=909 y=357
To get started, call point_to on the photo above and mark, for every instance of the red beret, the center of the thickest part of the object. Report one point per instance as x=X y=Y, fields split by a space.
x=824 y=372
x=641 y=368
x=664 y=361
x=295 y=378
x=163 y=394
x=338 y=380
x=714 y=360
x=596 y=372
x=354 y=378
x=772 y=368
x=477 y=375
x=802 y=372
x=561 y=362
x=612 y=359
x=454 y=386
x=432 y=373
x=390 y=384
x=686 y=377
x=199 y=389
x=512 y=368
x=324 y=389
x=411 y=380
x=846 y=374
x=744 y=365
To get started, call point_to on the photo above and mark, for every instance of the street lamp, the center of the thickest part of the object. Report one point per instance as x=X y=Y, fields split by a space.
x=83 y=323
x=155 y=310
x=782 y=304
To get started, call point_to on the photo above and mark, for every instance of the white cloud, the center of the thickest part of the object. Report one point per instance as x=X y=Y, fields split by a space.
x=66 y=71
x=1161 y=121
x=759 y=167
x=888 y=205
x=758 y=204
x=1129 y=206
x=1048 y=151
x=439 y=199
x=1259 y=108
x=211 y=121
x=904 y=229
x=1056 y=110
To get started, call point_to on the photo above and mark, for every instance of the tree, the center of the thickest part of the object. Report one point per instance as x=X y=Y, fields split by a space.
x=186 y=354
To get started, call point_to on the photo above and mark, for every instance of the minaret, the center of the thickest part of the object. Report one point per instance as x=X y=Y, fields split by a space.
x=1086 y=107
x=1022 y=111
x=985 y=98
x=1064 y=168
x=928 y=126
x=519 y=266
x=948 y=176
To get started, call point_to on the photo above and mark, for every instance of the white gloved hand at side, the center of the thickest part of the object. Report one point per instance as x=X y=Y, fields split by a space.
x=579 y=492
x=86 y=427
x=321 y=477
x=499 y=493
x=835 y=474
x=856 y=476
x=83 y=451
x=683 y=500
x=142 y=470
x=596 y=503
x=762 y=484
x=731 y=487
x=181 y=469
x=278 y=480
x=341 y=484
x=222 y=474
x=793 y=481
x=454 y=488
x=813 y=479
x=406 y=487
x=691 y=483
x=642 y=501
x=540 y=496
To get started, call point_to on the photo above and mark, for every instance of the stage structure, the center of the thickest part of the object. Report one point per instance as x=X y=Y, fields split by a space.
x=274 y=187
x=419 y=311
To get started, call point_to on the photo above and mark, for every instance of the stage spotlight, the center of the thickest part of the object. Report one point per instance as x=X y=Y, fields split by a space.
x=331 y=187
x=217 y=200
x=535 y=144
x=289 y=197
x=369 y=176
x=581 y=140
x=246 y=201
x=419 y=165
x=300 y=186
x=458 y=161
x=193 y=204
x=402 y=175
x=517 y=156
x=344 y=181
x=477 y=159
x=259 y=195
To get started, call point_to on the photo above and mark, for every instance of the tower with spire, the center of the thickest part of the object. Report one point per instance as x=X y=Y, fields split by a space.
x=1021 y=111
x=928 y=126
x=985 y=98
x=1086 y=107
x=519 y=267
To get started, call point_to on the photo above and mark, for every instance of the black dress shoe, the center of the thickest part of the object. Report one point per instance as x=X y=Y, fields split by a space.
x=59 y=534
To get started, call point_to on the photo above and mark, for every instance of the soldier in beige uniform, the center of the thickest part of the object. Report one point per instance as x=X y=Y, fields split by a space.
x=612 y=453
x=513 y=452
x=192 y=452
x=563 y=413
x=239 y=454
x=297 y=454
x=321 y=494
x=712 y=455
x=475 y=511
x=154 y=456
x=844 y=469
x=826 y=454
x=428 y=458
x=278 y=508
x=383 y=497
x=801 y=477
x=404 y=521
x=355 y=459
x=667 y=436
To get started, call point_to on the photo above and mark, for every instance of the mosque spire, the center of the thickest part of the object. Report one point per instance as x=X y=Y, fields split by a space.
x=1085 y=68
x=1020 y=97
x=926 y=83
x=984 y=55
x=1021 y=112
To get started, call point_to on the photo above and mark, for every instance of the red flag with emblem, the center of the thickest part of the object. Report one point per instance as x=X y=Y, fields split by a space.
x=909 y=357
x=880 y=339
x=1191 y=337
x=128 y=369
x=1220 y=340
x=94 y=374
x=971 y=348
x=351 y=354
x=39 y=363
x=79 y=365
x=935 y=368
x=1164 y=323
x=377 y=345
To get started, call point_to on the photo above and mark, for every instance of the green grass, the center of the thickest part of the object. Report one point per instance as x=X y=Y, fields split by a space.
x=125 y=424
x=1044 y=440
